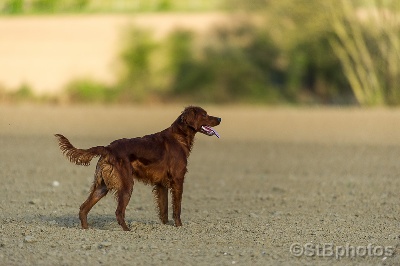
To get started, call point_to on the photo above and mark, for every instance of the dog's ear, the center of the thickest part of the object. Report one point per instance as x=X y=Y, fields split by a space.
x=188 y=117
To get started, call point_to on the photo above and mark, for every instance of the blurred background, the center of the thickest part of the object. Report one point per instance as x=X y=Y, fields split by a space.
x=287 y=52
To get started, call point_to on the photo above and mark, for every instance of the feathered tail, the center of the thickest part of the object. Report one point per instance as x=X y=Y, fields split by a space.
x=79 y=156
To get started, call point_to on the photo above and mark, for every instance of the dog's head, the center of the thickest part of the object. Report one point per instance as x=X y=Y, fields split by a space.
x=198 y=119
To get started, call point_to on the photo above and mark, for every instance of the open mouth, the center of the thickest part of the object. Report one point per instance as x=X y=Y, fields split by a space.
x=209 y=131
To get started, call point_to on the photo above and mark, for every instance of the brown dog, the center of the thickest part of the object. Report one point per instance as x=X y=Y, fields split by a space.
x=159 y=159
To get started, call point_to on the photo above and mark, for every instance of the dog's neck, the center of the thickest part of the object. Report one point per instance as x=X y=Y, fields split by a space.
x=184 y=134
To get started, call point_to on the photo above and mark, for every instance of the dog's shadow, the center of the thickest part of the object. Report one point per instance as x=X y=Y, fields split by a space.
x=95 y=221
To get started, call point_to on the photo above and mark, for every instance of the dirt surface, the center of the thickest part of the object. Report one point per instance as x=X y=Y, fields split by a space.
x=327 y=179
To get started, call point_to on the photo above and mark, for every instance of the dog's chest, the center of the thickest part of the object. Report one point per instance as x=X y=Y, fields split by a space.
x=160 y=171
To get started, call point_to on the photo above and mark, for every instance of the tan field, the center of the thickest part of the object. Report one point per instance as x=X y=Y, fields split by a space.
x=48 y=52
x=325 y=179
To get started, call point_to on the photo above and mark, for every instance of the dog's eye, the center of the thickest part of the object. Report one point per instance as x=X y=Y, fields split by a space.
x=204 y=115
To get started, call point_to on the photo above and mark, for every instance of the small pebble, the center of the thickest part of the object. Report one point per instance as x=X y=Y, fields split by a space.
x=253 y=215
x=105 y=244
x=29 y=239
x=34 y=201
x=55 y=184
x=86 y=247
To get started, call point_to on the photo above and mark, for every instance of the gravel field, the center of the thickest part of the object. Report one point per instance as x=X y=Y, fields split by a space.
x=281 y=187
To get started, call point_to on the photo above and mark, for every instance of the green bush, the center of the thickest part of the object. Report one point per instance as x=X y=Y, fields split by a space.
x=88 y=91
x=23 y=93
x=137 y=80
x=104 y=6
x=236 y=63
x=244 y=64
x=164 y=5
x=226 y=69
x=314 y=73
x=46 y=6
x=14 y=7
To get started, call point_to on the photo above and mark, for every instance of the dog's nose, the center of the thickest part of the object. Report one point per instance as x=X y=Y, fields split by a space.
x=219 y=119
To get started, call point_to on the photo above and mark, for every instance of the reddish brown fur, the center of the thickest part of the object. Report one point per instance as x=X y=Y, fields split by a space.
x=159 y=159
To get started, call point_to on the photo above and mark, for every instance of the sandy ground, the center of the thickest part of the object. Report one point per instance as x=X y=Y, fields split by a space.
x=327 y=179
x=47 y=52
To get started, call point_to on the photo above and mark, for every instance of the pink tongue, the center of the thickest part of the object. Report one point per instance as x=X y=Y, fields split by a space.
x=211 y=130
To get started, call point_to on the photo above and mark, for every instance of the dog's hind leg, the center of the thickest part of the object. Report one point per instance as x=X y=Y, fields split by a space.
x=123 y=194
x=161 y=195
x=123 y=197
x=98 y=192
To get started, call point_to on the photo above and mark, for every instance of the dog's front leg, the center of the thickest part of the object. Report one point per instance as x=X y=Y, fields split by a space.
x=176 y=191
